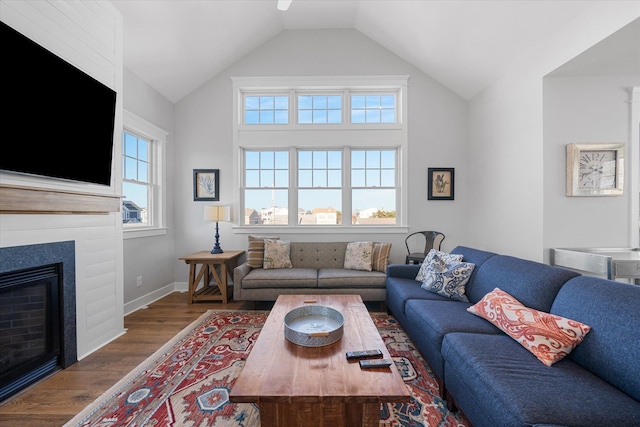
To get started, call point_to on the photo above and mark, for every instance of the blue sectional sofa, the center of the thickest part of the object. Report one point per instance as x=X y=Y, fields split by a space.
x=493 y=379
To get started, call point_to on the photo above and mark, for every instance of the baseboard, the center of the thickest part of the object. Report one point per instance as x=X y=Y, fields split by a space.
x=143 y=301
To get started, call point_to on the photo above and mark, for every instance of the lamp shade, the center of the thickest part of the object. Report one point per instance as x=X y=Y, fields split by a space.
x=217 y=213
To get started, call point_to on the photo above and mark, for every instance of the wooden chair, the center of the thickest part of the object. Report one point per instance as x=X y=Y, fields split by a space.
x=432 y=240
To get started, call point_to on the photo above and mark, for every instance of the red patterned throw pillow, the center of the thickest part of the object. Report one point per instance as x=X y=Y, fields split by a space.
x=547 y=336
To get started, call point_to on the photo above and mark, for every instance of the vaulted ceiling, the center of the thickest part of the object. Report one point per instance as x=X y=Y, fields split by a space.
x=177 y=45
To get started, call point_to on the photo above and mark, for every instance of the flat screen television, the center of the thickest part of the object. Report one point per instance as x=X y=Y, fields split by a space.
x=57 y=121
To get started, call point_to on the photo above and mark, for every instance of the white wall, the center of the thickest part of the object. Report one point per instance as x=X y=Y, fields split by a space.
x=63 y=28
x=151 y=258
x=582 y=110
x=437 y=135
x=506 y=138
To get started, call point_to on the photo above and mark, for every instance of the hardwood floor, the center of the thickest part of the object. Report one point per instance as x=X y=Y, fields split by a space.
x=57 y=399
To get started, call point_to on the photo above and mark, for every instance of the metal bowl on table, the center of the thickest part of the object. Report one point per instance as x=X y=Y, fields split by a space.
x=313 y=326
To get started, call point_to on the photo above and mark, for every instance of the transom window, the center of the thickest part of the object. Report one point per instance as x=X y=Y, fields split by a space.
x=267 y=110
x=373 y=109
x=319 y=109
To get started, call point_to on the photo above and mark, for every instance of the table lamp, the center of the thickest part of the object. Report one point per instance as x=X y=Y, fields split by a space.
x=217 y=213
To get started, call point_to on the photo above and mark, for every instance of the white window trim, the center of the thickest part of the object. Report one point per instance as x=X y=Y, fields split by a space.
x=250 y=137
x=158 y=140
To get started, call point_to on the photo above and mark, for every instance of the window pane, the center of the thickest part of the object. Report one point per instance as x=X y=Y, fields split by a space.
x=305 y=117
x=334 y=102
x=266 y=207
x=373 y=159
x=388 y=101
x=252 y=103
x=142 y=150
x=320 y=102
x=267 y=159
x=130 y=146
x=282 y=178
x=372 y=116
x=387 y=178
x=266 y=178
x=252 y=159
x=319 y=116
x=252 y=178
x=282 y=117
x=335 y=159
x=334 y=116
x=130 y=168
x=357 y=159
x=143 y=173
x=357 y=178
x=282 y=160
x=373 y=178
x=388 y=159
x=373 y=101
x=320 y=207
x=374 y=207
x=305 y=178
x=357 y=101
x=304 y=159
x=135 y=204
x=357 y=116
x=282 y=102
x=266 y=117
x=334 y=178
x=266 y=103
x=252 y=117
x=319 y=159
x=304 y=102
x=320 y=178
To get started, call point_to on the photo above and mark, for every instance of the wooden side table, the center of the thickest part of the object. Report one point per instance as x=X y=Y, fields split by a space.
x=216 y=266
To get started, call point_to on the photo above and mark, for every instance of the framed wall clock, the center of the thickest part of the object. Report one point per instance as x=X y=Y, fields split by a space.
x=595 y=169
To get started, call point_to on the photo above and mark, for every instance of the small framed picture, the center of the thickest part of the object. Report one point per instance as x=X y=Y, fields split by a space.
x=206 y=185
x=441 y=183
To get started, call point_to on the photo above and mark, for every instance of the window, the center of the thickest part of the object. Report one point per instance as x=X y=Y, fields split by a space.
x=266 y=110
x=319 y=109
x=266 y=195
x=373 y=109
x=142 y=177
x=320 y=187
x=304 y=173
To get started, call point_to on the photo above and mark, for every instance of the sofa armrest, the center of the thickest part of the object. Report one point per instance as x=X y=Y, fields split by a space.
x=405 y=271
x=239 y=274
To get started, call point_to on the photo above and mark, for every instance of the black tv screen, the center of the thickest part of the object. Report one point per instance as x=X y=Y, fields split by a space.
x=57 y=120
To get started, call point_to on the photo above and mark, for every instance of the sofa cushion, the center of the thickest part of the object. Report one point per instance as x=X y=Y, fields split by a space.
x=549 y=337
x=496 y=382
x=434 y=319
x=611 y=350
x=532 y=283
x=281 y=278
x=318 y=254
x=436 y=261
x=255 y=250
x=341 y=278
x=358 y=256
x=449 y=283
x=380 y=256
x=276 y=254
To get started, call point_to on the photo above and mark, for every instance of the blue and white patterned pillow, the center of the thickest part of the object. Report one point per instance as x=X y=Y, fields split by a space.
x=437 y=261
x=451 y=282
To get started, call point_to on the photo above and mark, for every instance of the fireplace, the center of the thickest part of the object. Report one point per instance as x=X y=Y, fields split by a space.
x=37 y=313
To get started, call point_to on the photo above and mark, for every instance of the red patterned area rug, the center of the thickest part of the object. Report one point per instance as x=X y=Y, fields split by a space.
x=187 y=381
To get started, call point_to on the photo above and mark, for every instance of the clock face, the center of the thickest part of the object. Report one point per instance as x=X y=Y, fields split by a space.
x=597 y=169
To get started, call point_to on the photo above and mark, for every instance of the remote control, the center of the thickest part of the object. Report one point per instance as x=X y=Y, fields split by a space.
x=366 y=354
x=375 y=363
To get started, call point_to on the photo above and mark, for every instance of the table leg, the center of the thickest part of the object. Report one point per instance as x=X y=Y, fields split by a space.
x=192 y=282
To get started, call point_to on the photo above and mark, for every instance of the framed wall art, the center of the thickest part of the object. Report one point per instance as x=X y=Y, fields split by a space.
x=441 y=183
x=206 y=185
x=595 y=169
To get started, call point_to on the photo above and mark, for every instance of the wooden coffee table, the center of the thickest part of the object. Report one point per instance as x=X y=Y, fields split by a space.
x=316 y=386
